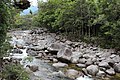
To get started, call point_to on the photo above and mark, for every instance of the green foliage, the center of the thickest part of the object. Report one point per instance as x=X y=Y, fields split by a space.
x=5 y=23
x=23 y=22
x=87 y=19
x=14 y=72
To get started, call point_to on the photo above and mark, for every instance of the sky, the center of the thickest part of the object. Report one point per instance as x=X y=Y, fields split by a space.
x=33 y=7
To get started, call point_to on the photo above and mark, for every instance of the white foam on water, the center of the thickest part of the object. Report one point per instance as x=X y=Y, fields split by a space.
x=84 y=78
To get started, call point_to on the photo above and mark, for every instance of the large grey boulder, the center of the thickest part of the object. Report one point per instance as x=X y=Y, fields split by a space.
x=64 y=55
x=117 y=67
x=60 y=65
x=55 y=47
x=92 y=69
x=76 y=56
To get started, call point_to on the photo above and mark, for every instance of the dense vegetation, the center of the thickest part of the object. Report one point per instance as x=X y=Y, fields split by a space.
x=96 y=21
x=10 y=71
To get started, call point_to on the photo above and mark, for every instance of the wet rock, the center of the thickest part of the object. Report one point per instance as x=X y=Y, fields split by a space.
x=33 y=68
x=72 y=73
x=59 y=65
x=92 y=69
x=55 y=47
x=110 y=71
x=117 y=67
x=64 y=55
x=81 y=65
x=75 y=57
x=104 y=64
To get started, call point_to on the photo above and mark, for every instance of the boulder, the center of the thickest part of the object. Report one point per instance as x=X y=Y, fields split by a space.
x=58 y=74
x=75 y=57
x=32 y=53
x=92 y=69
x=71 y=73
x=59 y=65
x=39 y=55
x=55 y=47
x=64 y=55
x=55 y=60
x=82 y=60
x=33 y=68
x=104 y=64
x=89 y=62
x=101 y=74
x=117 y=67
x=68 y=42
x=110 y=71
x=116 y=58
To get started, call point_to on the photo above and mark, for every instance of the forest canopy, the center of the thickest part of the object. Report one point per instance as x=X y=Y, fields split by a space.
x=96 y=21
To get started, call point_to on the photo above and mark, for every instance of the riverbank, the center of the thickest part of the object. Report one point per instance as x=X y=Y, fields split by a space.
x=53 y=55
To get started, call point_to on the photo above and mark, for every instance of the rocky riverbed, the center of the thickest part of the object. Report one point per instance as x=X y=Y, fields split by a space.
x=52 y=56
